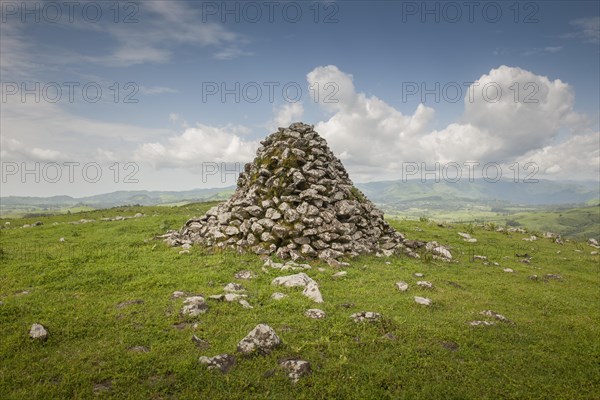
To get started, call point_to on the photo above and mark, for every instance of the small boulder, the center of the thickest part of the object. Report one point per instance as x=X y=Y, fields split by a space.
x=367 y=316
x=493 y=314
x=402 y=286
x=233 y=287
x=278 y=296
x=425 y=284
x=245 y=304
x=38 y=332
x=223 y=362
x=295 y=368
x=194 y=306
x=245 y=274
x=315 y=313
x=423 y=301
x=261 y=339
x=311 y=290
x=482 y=323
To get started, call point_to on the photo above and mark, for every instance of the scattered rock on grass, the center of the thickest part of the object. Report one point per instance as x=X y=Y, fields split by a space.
x=200 y=343
x=261 y=339
x=311 y=290
x=425 y=284
x=296 y=368
x=482 y=323
x=493 y=314
x=509 y=270
x=340 y=274
x=315 y=313
x=296 y=280
x=278 y=296
x=402 y=286
x=245 y=304
x=245 y=274
x=423 y=301
x=38 y=332
x=233 y=287
x=367 y=316
x=223 y=362
x=139 y=349
x=194 y=306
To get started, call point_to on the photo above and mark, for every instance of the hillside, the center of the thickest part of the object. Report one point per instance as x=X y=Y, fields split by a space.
x=104 y=290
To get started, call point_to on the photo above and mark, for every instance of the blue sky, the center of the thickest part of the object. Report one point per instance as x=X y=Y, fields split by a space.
x=372 y=52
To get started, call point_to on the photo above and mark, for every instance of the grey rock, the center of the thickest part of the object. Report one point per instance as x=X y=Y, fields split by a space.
x=261 y=339
x=278 y=296
x=311 y=290
x=425 y=284
x=245 y=304
x=233 y=287
x=194 y=306
x=495 y=315
x=297 y=280
x=245 y=274
x=296 y=368
x=222 y=362
x=482 y=323
x=366 y=316
x=423 y=301
x=315 y=313
x=38 y=332
x=402 y=286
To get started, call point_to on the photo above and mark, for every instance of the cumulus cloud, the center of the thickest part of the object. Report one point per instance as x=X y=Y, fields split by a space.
x=13 y=149
x=286 y=114
x=508 y=113
x=198 y=145
x=576 y=158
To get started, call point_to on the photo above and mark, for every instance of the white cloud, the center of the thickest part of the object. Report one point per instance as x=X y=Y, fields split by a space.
x=161 y=26
x=157 y=90
x=32 y=131
x=230 y=53
x=199 y=145
x=543 y=50
x=508 y=113
x=576 y=158
x=13 y=149
x=286 y=115
x=587 y=29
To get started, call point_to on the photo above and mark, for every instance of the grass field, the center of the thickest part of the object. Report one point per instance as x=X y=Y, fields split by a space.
x=77 y=289
x=581 y=222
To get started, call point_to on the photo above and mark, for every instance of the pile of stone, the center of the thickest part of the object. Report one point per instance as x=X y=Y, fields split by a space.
x=295 y=200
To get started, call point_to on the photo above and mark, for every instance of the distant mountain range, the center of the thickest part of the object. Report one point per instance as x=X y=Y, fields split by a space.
x=391 y=195
x=400 y=195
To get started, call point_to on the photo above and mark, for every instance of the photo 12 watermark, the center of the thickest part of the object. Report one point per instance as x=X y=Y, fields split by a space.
x=453 y=12
x=452 y=92
x=252 y=12
x=69 y=172
x=54 y=12
x=69 y=92
x=453 y=172
x=271 y=91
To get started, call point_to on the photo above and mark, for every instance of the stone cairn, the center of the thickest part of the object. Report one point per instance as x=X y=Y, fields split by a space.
x=295 y=200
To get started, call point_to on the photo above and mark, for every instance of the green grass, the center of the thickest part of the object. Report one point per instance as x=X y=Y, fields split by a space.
x=578 y=222
x=551 y=351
